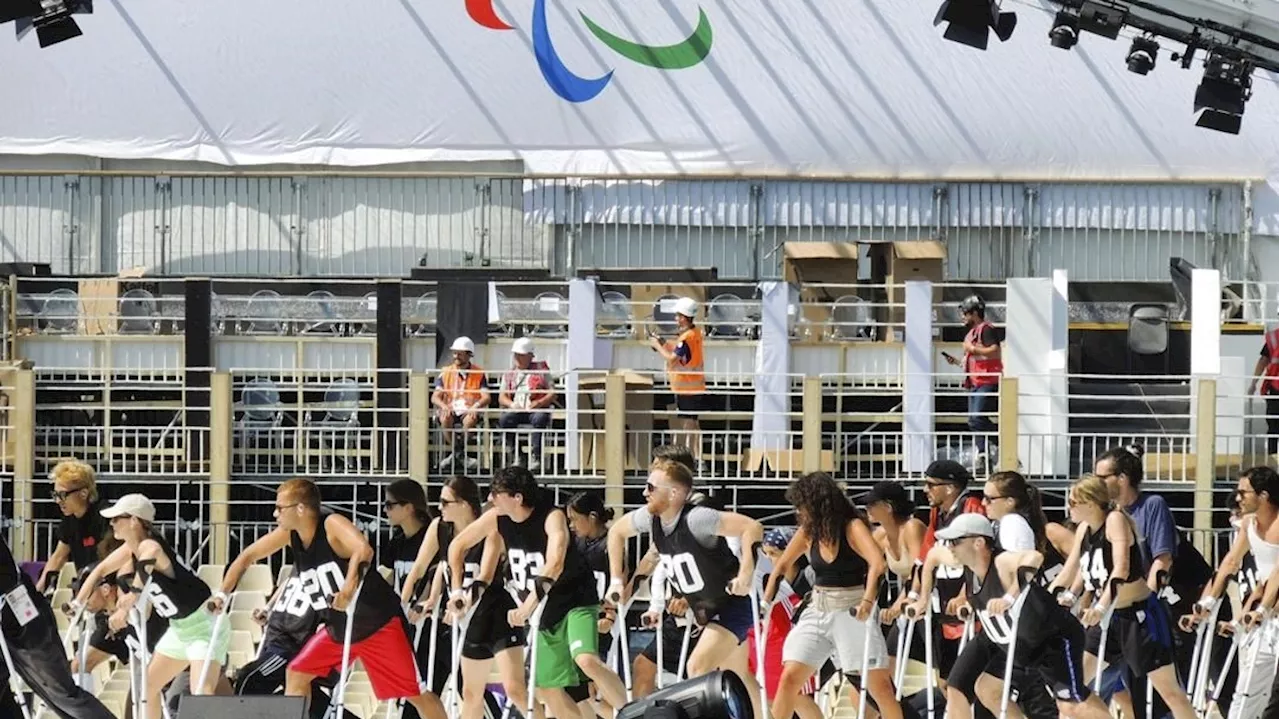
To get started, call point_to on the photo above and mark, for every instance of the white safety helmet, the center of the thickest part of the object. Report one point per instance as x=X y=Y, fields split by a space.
x=522 y=346
x=463 y=344
x=687 y=306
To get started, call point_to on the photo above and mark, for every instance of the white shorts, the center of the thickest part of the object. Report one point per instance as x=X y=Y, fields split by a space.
x=818 y=636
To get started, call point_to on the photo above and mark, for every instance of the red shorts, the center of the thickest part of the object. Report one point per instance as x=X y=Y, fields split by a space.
x=387 y=657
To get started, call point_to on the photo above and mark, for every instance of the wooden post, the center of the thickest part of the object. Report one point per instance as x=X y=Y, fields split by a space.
x=615 y=439
x=221 y=419
x=811 y=425
x=419 y=426
x=1008 y=424
x=1206 y=440
x=22 y=416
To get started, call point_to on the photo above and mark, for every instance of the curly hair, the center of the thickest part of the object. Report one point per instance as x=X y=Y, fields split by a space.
x=826 y=509
x=517 y=480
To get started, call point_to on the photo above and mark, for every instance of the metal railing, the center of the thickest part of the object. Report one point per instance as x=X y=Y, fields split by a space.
x=315 y=225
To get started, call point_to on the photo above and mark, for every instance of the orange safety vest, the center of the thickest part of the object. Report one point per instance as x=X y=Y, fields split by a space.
x=1272 y=372
x=464 y=384
x=688 y=378
x=981 y=371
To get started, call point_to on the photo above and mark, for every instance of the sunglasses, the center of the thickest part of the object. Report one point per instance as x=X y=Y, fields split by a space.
x=989 y=498
x=390 y=503
x=650 y=487
x=59 y=496
x=446 y=502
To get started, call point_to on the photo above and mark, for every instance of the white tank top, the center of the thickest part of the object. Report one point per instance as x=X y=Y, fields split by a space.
x=1264 y=552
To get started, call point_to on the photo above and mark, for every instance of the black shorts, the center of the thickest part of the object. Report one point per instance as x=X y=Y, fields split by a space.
x=691 y=405
x=1140 y=637
x=1052 y=670
x=672 y=639
x=490 y=632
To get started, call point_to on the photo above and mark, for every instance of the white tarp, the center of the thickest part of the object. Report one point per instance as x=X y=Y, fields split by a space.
x=864 y=88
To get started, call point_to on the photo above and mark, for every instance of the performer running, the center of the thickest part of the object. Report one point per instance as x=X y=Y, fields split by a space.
x=589 y=523
x=82 y=529
x=328 y=553
x=1107 y=560
x=1049 y=641
x=900 y=536
x=103 y=642
x=699 y=565
x=848 y=566
x=1258 y=539
x=489 y=638
x=174 y=592
x=408 y=514
x=31 y=635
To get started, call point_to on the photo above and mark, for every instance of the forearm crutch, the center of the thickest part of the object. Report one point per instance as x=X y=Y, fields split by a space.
x=1102 y=644
x=535 y=621
x=621 y=647
x=1015 y=616
x=1200 y=657
x=906 y=630
x=684 y=646
x=219 y=619
x=14 y=679
x=873 y=619
x=1243 y=690
x=338 y=706
x=459 y=633
x=1226 y=664
x=930 y=681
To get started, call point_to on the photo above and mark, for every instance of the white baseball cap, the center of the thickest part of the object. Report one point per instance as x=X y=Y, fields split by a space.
x=522 y=346
x=687 y=306
x=969 y=524
x=463 y=344
x=134 y=505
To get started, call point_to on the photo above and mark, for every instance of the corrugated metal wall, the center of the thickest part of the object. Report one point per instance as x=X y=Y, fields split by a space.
x=335 y=225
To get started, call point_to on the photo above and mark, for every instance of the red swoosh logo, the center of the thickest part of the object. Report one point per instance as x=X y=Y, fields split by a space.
x=483 y=13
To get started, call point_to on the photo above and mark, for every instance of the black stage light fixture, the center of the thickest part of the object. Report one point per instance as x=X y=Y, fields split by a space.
x=1065 y=32
x=1142 y=55
x=1104 y=19
x=1222 y=94
x=11 y=10
x=968 y=21
x=53 y=20
x=718 y=695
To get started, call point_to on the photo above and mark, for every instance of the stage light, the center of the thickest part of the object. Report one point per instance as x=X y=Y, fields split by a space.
x=718 y=695
x=968 y=21
x=51 y=19
x=1142 y=55
x=1222 y=94
x=1065 y=32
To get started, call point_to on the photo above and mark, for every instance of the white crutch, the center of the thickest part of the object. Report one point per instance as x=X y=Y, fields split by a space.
x=872 y=625
x=535 y=621
x=1242 y=695
x=218 y=622
x=1015 y=615
x=967 y=616
x=338 y=705
x=138 y=618
x=930 y=681
x=620 y=649
x=1102 y=645
x=393 y=708
x=684 y=646
x=1200 y=657
x=1226 y=665
x=459 y=633
x=14 y=680
x=906 y=630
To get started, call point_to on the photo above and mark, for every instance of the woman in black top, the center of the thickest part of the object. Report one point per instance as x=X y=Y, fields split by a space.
x=82 y=528
x=174 y=592
x=847 y=564
x=1107 y=564
x=407 y=513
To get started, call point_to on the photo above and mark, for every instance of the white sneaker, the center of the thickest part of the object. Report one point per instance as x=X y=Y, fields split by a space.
x=447 y=463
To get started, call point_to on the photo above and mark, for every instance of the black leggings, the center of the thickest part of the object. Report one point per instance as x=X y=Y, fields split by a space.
x=39 y=658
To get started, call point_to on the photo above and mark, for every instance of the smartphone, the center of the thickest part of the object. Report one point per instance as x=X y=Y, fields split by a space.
x=949 y=357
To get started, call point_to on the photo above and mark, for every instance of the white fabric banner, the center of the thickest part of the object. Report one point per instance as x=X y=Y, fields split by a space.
x=771 y=421
x=597 y=86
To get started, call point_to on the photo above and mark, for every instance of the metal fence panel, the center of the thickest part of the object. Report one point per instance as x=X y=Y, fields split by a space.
x=232 y=226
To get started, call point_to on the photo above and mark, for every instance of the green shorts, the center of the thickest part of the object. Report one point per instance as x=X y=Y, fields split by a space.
x=188 y=638
x=559 y=646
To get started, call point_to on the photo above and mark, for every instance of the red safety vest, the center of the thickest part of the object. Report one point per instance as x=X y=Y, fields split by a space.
x=1272 y=373
x=981 y=371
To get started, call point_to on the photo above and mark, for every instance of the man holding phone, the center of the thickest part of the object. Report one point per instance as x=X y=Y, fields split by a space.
x=685 y=374
x=982 y=369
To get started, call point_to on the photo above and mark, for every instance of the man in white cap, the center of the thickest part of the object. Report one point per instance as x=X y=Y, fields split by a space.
x=685 y=374
x=462 y=391
x=526 y=396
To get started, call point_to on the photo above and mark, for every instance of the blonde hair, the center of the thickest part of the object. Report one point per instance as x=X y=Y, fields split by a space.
x=77 y=474
x=1092 y=489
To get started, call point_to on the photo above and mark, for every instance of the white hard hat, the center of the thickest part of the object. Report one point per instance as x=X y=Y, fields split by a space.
x=463 y=344
x=522 y=346
x=687 y=306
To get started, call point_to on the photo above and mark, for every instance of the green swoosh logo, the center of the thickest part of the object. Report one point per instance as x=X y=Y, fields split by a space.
x=687 y=53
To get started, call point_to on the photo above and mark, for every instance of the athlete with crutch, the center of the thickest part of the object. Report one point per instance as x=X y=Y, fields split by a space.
x=173 y=590
x=100 y=644
x=1047 y=641
x=548 y=571
x=33 y=651
x=1107 y=561
x=485 y=638
x=701 y=566
x=848 y=565
x=1259 y=537
x=328 y=553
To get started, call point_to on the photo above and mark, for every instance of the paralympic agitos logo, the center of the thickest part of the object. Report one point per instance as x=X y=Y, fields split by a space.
x=575 y=88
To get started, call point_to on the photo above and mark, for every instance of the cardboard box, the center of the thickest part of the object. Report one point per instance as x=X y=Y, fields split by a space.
x=99 y=306
x=815 y=263
x=643 y=298
x=895 y=263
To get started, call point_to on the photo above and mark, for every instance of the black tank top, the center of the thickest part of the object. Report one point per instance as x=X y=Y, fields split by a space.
x=1247 y=576
x=848 y=570
x=527 y=556
x=399 y=554
x=294 y=617
x=700 y=574
x=1038 y=619
x=1096 y=562
x=948 y=581
x=179 y=596
x=495 y=599
x=323 y=573
x=596 y=553
x=1052 y=566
